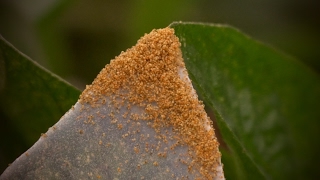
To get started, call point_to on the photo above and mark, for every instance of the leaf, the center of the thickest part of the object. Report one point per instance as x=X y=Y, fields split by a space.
x=266 y=103
x=32 y=99
x=72 y=149
x=130 y=123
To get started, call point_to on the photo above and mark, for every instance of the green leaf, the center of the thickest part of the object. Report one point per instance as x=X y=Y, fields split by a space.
x=32 y=100
x=266 y=103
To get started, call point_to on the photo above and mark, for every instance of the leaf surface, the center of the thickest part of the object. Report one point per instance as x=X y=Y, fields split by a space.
x=110 y=133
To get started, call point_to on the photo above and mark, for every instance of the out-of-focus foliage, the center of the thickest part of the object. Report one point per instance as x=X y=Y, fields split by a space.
x=74 y=39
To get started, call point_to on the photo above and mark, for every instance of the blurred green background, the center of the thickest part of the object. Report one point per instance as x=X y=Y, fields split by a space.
x=75 y=39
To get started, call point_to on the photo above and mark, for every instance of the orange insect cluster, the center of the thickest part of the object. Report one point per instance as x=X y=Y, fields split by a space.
x=150 y=75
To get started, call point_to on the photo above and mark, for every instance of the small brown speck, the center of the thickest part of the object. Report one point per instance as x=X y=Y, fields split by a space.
x=155 y=163
x=136 y=150
x=44 y=135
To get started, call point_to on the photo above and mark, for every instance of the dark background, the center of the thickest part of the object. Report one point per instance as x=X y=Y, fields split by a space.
x=75 y=39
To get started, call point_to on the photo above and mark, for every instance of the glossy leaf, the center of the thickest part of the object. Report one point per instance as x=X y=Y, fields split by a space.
x=265 y=102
